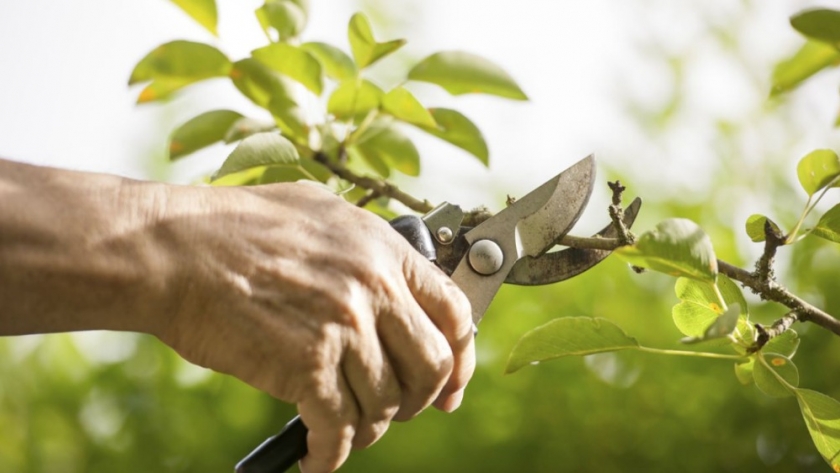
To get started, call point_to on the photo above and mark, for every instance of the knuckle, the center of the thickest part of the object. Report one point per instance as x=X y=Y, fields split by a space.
x=431 y=377
x=458 y=308
x=367 y=435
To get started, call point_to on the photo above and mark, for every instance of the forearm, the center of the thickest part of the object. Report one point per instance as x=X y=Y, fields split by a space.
x=79 y=251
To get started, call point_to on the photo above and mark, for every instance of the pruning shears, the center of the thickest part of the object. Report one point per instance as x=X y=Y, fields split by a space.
x=510 y=247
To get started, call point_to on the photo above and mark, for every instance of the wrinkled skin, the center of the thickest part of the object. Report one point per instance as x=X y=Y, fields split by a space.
x=286 y=287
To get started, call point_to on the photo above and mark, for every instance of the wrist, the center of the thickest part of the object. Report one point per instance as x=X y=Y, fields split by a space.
x=80 y=251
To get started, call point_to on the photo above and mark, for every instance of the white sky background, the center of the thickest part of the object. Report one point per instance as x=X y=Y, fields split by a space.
x=64 y=101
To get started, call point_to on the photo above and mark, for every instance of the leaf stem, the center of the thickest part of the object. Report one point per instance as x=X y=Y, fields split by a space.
x=792 y=235
x=809 y=206
x=696 y=354
x=723 y=306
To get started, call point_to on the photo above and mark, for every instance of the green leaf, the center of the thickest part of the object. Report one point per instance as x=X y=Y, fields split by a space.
x=820 y=24
x=305 y=169
x=822 y=416
x=817 y=169
x=289 y=118
x=744 y=371
x=755 y=227
x=335 y=62
x=201 y=131
x=700 y=305
x=776 y=375
x=202 y=11
x=813 y=57
x=677 y=247
x=829 y=225
x=286 y=17
x=262 y=149
x=248 y=177
x=460 y=131
x=402 y=104
x=785 y=344
x=724 y=325
x=245 y=127
x=276 y=174
x=366 y=50
x=721 y=327
x=568 y=336
x=384 y=148
x=464 y=73
x=354 y=98
x=293 y=62
x=259 y=83
x=177 y=64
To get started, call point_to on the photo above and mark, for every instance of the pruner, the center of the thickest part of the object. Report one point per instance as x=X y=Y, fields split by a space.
x=509 y=247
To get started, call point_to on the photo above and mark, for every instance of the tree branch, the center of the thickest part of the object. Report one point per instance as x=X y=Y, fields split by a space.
x=779 y=327
x=374 y=185
x=367 y=198
x=772 y=291
x=761 y=282
x=766 y=288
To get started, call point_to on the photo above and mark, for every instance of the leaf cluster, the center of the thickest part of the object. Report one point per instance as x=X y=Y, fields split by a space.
x=354 y=121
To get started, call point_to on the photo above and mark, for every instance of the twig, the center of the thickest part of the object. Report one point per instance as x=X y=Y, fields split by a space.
x=773 y=239
x=367 y=198
x=770 y=290
x=779 y=327
x=591 y=243
x=374 y=185
x=625 y=236
x=767 y=289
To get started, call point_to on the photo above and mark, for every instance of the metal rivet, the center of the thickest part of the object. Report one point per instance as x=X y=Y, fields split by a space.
x=486 y=257
x=444 y=234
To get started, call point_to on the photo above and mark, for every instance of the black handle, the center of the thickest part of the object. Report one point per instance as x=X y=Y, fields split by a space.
x=277 y=453
x=280 y=452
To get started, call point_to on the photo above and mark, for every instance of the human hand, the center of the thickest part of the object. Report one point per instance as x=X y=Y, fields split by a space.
x=319 y=303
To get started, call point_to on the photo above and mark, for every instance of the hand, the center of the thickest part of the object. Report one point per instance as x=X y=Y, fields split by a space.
x=319 y=303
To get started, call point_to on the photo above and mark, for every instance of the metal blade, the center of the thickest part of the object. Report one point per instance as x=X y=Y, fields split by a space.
x=555 y=267
x=529 y=226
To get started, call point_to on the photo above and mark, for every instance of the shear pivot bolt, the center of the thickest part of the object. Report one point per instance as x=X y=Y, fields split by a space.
x=444 y=234
x=486 y=257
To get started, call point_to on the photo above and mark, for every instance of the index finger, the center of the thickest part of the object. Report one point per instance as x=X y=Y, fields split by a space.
x=449 y=309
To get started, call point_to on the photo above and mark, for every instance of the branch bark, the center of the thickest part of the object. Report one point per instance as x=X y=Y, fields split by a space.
x=770 y=290
x=766 y=288
x=377 y=186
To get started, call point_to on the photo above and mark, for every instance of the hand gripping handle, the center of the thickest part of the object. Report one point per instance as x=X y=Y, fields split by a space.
x=280 y=452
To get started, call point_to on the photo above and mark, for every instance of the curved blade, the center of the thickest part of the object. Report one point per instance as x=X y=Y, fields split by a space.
x=555 y=267
x=528 y=227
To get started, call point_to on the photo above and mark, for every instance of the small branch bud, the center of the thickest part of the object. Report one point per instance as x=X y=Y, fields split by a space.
x=765 y=334
x=773 y=239
x=625 y=236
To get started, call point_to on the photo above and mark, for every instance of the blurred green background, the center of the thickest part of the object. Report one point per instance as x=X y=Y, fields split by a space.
x=104 y=402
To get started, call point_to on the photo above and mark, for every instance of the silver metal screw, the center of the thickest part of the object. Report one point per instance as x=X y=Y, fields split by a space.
x=486 y=257
x=444 y=234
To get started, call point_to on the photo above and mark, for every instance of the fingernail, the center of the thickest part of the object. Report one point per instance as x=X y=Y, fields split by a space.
x=453 y=402
x=475 y=330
